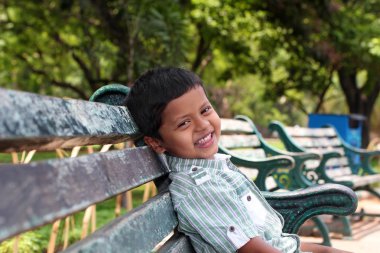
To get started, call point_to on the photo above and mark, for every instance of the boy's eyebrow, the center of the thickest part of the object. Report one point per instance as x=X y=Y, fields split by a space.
x=178 y=118
x=202 y=105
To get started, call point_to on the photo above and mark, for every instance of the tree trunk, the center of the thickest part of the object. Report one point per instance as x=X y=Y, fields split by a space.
x=360 y=101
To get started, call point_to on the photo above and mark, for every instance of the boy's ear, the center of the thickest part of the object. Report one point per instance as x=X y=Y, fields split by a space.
x=155 y=144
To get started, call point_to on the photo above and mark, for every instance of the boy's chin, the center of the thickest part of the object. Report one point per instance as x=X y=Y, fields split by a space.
x=209 y=155
x=201 y=156
x=198 y=154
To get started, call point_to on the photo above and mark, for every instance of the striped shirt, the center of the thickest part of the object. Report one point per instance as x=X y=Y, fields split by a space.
x=220 y=209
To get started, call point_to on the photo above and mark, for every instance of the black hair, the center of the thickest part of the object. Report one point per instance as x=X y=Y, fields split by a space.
x=151 y=93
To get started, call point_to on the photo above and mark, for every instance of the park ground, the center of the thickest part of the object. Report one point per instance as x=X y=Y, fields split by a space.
x=366 y=232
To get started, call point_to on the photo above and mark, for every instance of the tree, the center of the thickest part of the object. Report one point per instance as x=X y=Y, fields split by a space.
x=325 y=38
x=74 y=47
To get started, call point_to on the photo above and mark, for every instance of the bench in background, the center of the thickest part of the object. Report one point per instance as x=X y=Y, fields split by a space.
x=39 y=193
x=340 y=162
x=248 y=149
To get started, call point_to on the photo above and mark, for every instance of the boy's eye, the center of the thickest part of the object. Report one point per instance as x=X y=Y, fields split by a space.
x=183 y=123
x=206 y=109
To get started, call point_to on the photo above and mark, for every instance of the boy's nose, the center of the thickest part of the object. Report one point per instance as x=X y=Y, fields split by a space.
x=201 y=124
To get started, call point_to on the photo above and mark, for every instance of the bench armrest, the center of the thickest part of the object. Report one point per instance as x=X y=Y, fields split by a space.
x=326 y=155
x=297 y=175
x=264 y=166
x=299 y=205
x=279 y=128
x=365 y=156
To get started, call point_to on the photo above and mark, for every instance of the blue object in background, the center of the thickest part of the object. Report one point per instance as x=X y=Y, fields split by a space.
x=349 y=127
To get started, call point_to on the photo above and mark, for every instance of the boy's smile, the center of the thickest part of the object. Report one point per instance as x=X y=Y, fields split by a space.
x=190 y=127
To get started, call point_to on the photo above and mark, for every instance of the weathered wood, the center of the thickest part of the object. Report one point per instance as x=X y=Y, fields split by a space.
x=178 y=243
x=30 y=121
x=138 y=231
x=37 y=193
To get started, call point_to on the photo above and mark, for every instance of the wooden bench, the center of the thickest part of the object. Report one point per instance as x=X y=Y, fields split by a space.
x=340 y=162
x=41 y=192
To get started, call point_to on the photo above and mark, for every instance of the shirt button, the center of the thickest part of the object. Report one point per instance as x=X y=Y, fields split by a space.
x=194 y=169
x=232 y=229
x=249 y=198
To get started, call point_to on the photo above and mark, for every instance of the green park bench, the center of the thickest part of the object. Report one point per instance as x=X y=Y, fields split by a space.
x=340 y=162
x=41 y=192
x=241 y=139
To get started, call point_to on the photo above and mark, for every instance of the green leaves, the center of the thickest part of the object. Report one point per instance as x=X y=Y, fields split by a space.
x=71 y=48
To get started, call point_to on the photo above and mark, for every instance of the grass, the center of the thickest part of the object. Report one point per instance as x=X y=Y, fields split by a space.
x=275 y=142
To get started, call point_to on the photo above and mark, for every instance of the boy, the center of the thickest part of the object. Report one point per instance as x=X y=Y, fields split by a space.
x=218 y=208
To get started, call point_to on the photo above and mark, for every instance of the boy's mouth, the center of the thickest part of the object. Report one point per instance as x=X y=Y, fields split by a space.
x=205 y=141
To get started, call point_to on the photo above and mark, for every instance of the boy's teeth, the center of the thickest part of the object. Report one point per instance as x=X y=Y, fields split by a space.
x=205 y=139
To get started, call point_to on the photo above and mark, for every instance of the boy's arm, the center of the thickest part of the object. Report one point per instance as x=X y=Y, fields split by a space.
x=257 y=245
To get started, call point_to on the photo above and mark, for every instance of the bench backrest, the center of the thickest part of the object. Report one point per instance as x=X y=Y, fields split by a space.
x=41 y=192
x=315 y=140
x=257 y=159
x=241 y=138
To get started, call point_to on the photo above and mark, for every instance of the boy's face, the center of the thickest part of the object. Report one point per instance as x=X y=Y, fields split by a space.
x=190 y=127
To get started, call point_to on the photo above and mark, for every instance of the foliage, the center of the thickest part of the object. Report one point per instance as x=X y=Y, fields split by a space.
x=226 y=56
x=323 y=39
x=29 y=242
x=303 y=54
x=77 y=46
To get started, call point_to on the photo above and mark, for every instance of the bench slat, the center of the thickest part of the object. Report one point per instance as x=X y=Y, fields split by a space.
x=338 y=172
x=249 y=153
x=38 y=193
x=239 y=141
x=339 y=150
x=311 y=132
x=46 y=123
x=309 y=142
x=138 y=231
x=359 y=181
x=178 y=243
x=338 y=162
x=235 y=126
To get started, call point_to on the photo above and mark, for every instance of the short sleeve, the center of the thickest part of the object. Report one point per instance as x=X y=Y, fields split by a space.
x=214 y=210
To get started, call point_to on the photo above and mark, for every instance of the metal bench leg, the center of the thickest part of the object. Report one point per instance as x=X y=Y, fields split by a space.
x=344 y=229
x=372 y=191
x=347 y=231
x=323 y=229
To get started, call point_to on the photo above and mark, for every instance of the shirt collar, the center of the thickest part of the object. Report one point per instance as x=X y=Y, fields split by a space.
x=177 y=164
